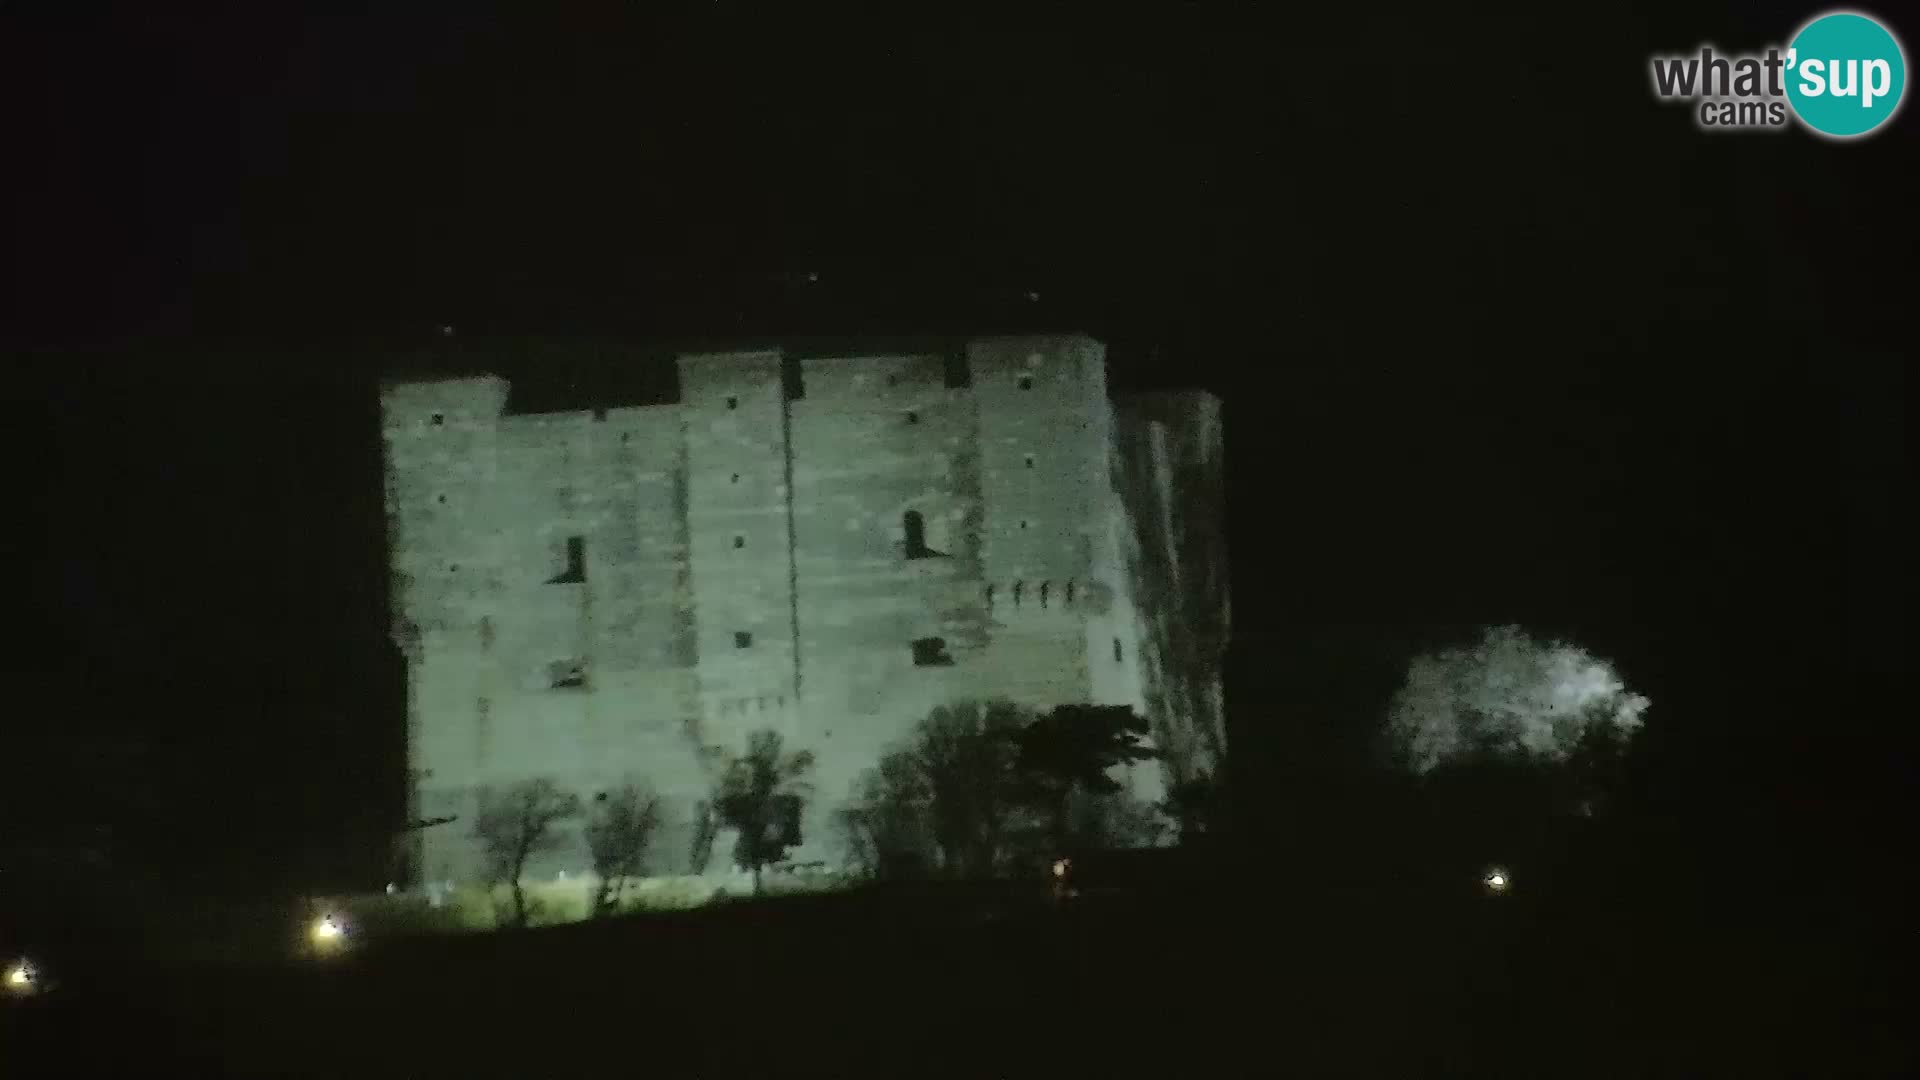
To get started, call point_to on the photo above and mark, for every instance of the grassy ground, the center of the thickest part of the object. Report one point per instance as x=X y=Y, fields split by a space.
x=1361 y=981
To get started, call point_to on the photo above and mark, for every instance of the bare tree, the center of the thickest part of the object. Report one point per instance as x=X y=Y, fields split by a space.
x=886 y=822
x=619 y=832
x=761 y=795
x=965 y=755
x=515 y=825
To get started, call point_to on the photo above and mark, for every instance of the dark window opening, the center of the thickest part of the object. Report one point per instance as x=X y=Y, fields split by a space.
x=567 y=674
x=742 y=639
x=1026 y=382
x=439 y=418
x=931 y=652
x=959 y=375
x=893 y=380
x=453 y=568
x=1023 y=523
x=486 y=632
x=739 y=542
x=989 y=597
x=915 y=528
x=1069 y=594
x=735 y=480
x=1045 y=588
x=599 y=415
x=793 y=386
x=1116 y=650
x=913 y=418
x=599 y=796
x=576 y=568
x=733 y=403
x=1019 y=589
x=440 y=498
x=1029 y=461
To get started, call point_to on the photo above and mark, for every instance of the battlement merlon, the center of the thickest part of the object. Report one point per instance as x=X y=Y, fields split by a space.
x=410 y=405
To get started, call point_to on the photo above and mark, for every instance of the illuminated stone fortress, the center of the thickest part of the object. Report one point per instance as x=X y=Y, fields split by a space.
x=825 y=546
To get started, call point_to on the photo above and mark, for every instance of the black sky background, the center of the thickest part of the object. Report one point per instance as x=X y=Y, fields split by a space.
x=1501 y=339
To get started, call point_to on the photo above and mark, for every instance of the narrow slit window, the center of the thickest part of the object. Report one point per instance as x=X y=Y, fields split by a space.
x=1116 y=651
x=1019 y=588
x=989 y=598
x=574 y=570
x=1046 y=587
x=913 y=529
x=1070 y=591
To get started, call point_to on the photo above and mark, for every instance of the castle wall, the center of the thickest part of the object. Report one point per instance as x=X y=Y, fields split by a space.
x=741 y=512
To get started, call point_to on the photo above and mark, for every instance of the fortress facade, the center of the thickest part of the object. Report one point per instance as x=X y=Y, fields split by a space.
x=828 y=547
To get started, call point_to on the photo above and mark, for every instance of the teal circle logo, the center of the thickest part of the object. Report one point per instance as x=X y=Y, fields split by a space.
x=1845 y=75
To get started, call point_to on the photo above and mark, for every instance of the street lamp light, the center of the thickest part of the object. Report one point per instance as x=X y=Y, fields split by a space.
x=20 y=978
x=327 y=932
x=1498 y=881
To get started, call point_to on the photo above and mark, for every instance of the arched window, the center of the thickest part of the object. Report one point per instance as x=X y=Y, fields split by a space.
x=1045 y=588
x=915 y=528
x=1018 y=588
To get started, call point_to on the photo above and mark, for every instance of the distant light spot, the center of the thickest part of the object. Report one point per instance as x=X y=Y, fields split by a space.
x=446 y=331
x=1033 y=297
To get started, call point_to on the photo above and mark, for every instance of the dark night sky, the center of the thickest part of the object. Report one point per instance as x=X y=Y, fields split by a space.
x=1501 y=338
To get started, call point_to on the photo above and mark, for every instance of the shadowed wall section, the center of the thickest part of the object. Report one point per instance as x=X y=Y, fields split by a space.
x=825 y=546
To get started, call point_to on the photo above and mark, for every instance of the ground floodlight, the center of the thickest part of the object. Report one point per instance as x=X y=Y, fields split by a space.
x=20 y=977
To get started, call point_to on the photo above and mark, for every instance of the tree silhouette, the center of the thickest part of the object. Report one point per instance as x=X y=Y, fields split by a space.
x=619 y=832
x=761 y=794
x=965 y=756
x=517 y=824
x=1073 y=748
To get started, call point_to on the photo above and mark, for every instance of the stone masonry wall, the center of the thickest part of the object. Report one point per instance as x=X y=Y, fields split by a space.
x=593 y=597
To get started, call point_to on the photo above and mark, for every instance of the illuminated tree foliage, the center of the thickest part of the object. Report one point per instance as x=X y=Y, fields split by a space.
x=1511 y=696
x=1171 y=481
x=619 y=833
x=761 y=795
x=516 y=824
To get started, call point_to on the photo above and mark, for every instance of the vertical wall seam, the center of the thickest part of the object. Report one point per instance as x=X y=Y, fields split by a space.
x=793 y=558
